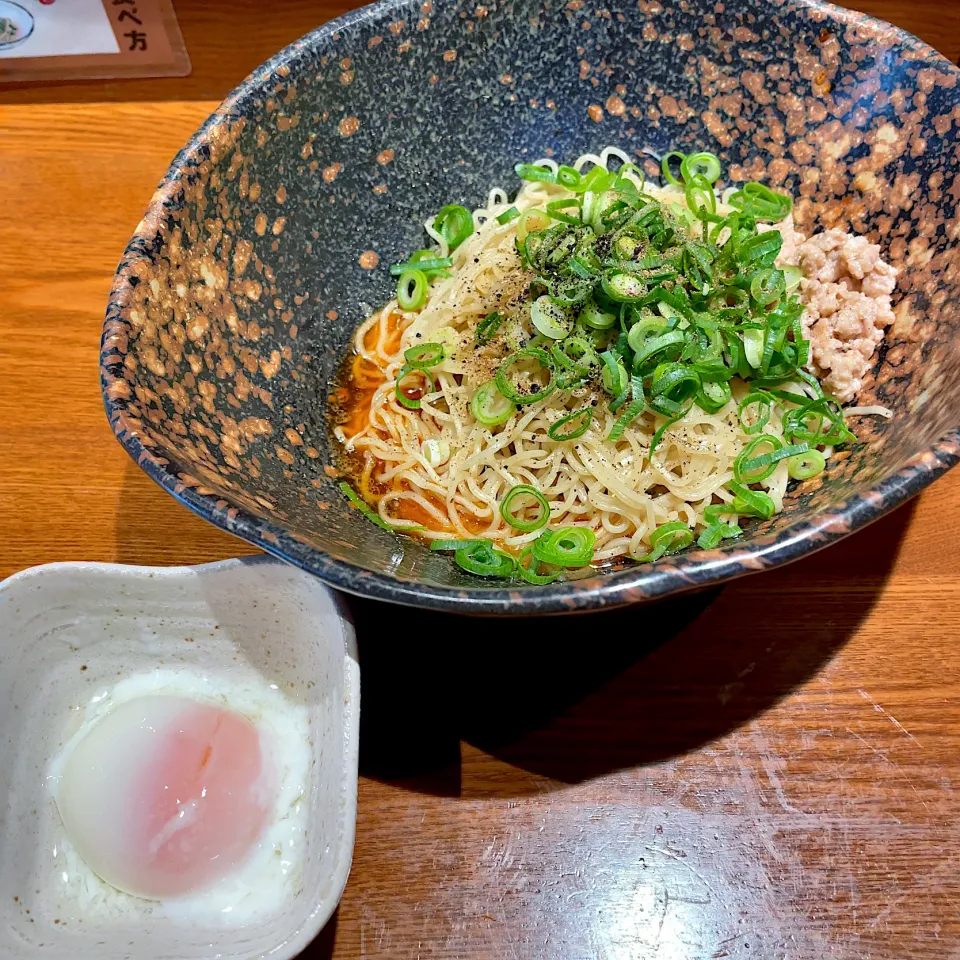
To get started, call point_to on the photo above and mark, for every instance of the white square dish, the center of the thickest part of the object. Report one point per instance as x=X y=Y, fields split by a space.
x=71 y=630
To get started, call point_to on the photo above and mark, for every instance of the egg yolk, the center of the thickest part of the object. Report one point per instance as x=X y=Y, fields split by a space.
x=166 y=795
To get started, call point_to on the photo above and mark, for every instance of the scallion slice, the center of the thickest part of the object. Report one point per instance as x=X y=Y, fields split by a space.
x=716 y=532
x=454 y=223
x=412 y=288
x=568 y=177
x=767 y=286
x=581 y=420
x=595 y=318
x=803 y=466
x=623 y=287
x=411 y=403
x=665 y=166
x=423 y=355
x=507 y=386
x=550 y=319
x=667 y=539
x=713 y=396
x=534 y=173
x=425 y=262
x=484 y=560
x=565 y=546
x=487 y=328
x=529 y=567
x=706 y=165
x=752 y=464
x=753 y=421
x=510 y=214
x=363 y=506
x=614 y=374
x=751 y=501
x=531 y=221
x=489 y=407
x=516 y=502
x=451 y=545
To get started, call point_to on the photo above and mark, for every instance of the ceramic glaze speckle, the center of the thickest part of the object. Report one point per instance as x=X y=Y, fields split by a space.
x=271 y=236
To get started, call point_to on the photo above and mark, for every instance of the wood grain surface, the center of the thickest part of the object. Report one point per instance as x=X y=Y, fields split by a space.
x=767 y=771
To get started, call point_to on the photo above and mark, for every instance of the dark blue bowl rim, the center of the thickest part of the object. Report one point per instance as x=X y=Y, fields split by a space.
x=683 y=573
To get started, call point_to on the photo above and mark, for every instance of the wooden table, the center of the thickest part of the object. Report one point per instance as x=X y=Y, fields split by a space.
x=771 y=770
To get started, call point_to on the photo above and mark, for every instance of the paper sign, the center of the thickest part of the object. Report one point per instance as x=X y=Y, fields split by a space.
x=73 y=39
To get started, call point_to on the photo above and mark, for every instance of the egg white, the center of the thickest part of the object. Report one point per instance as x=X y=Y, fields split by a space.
x=271 y=875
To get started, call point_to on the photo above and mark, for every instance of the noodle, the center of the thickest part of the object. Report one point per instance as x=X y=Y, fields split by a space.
x=614 y=487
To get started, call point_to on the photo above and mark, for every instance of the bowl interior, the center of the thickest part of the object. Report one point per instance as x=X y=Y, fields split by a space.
x=271 y=237
x=69 y=632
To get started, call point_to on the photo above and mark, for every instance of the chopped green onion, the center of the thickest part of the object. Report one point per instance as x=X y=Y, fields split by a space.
x=454 y=223
x=761 y=203
x=713 y=396
x=716 y=532
x=773 y=457
x=441 y=545
x=555 y=210
x=534 y=173
x=531 y=221
x=817 y=423
x=633 y=410
x=489 y=407
x=487 y=328
x=761 y=247
x=565 y=546
x=753 y=467
x=412 y=290
x=614 y=374
x=512 y=512
x=556 y=431
x=701 y=199
x=767 y=285
x=436 y=452
x=568 y=177
x=363 y=506
x=792 y=277
x=715 y=511
x=584 y=356
x=665 y=344
x=706 y=165
x=753 y=347
x=423 y=355
x=597 y=180
x=663 y=428
x=531 y=571
x=645 y=328
x=754 y=422
x=623 y=287
x=596 y=318
x=665 y=166
x=427 y=264
x=484 y=560
x=668 y=538
x=674 y=380
x=570 y=291
x=552 y=321
x=508 y=388
x=751 y=501
x=411 y=403
x=512 y=214
x=803 y=466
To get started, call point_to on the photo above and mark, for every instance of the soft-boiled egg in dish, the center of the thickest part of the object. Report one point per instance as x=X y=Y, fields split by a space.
x=186 y=790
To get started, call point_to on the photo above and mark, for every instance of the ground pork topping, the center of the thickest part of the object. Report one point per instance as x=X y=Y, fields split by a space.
x=846 y=289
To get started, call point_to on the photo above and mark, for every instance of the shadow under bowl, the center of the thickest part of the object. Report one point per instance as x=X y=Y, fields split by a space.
x=241 y=288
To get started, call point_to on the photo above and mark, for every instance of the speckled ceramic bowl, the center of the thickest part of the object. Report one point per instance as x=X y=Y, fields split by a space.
x=269 y=240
